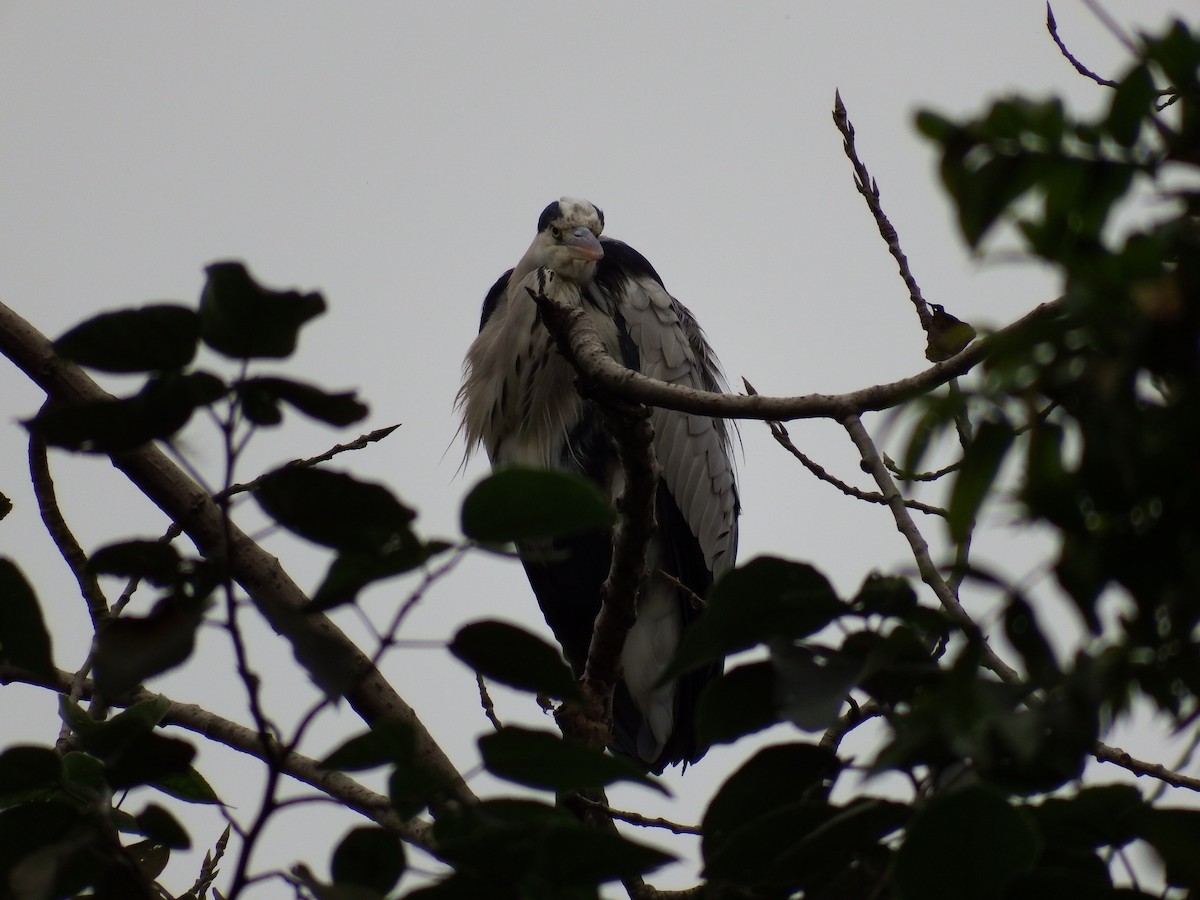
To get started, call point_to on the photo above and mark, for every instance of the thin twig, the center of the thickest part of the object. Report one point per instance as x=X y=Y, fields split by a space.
x=586 y=350
x=1117 y=756
x=209 y=725
x=920 y=549
x=870 y=192
x=69 y=548
x=903 y=475
x=643 y=821
x=1052 y=27
x=485 y=700
x=780 y=433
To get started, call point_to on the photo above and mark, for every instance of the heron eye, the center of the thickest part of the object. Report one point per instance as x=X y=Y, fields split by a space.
x=555 y=232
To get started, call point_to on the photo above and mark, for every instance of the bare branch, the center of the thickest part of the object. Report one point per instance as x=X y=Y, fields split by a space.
x=920 y=549
x=643 y=821
x=869 y=189
x=245 y=740
x=485 y=700
x=69 y=548
x=1117 y=756
x=585 y=349
x=277 y=597
x=1052 y=27
x=780 y=433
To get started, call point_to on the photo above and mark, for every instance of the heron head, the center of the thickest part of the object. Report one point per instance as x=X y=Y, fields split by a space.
x=568 y=238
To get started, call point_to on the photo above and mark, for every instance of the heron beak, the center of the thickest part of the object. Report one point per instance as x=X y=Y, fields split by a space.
x=582 y=244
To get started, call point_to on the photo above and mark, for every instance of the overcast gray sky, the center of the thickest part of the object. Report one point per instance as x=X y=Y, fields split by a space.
x=396 y=157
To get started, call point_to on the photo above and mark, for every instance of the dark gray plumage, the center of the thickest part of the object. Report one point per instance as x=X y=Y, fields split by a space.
x=518 y=399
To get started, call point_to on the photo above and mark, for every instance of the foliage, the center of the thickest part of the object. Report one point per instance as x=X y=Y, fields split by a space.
x=1098 y=403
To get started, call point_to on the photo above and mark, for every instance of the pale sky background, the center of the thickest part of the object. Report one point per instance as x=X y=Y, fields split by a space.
x=396 y=157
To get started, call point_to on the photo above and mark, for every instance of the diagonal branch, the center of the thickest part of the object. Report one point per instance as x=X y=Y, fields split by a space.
x=314 y=638
x=869 y=189
x=585 y=350
x=238 y=737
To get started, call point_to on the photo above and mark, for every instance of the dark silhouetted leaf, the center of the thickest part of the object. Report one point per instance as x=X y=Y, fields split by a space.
x=810 y=687
x=1024 y=633
x=1174 y=834
x=966 y=843
x=974 y=478
x=243 y=320
x=525 y=504
x=147 y=760
x=152 y=338
x=513 y=656
x=26 y=772
x=163 y=828
x=161 y=408
x=885 y=595
x=130 y=649
x=388 y=741
x=261 y=397
x=1132 y=104
x=24 y=640
x=186 y=784
x=739 y=702
x=544 y=760
x=369 y=856
x=511 y=842
x=153 y=561
x=783 y=775
x=1095 y=817
x=335 y=509
x=351 y=570
x=38 y=828
x=763 y=600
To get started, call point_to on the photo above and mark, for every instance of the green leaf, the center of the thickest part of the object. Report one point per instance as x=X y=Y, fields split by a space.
x=163 y=828
x=32 y=836
x=130 y=649
x=335 y=509
x=1024 y=633
x=151 y=858
x=965 y=843
x=24 y=640
x=736 y=703
x=152 y=338
x=980 y=465
x=163 y=406
x=261 y=398
x=187 y=785
x=351 y=570
x=243 y=320
x=812 y=687
x=152 y=561
x=776 y=776
x=369 y=856
x=766 y=599
x=516 y=504
x=1174 y=834
x=885 y=595
x=28 y=772
x=500 y=845
x=542 y=759
x=1132 y=104
x=513 y=656
x=388 y=741
x=1095 y=817
x=147 y=761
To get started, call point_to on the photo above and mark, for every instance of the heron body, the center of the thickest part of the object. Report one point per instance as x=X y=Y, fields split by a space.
x=519 y=401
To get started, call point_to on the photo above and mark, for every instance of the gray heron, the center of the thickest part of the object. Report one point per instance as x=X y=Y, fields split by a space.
x=518 y=399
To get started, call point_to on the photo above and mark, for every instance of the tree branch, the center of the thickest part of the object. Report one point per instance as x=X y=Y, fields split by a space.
x=587 y=352
x=869 y=189
x=200 y=721
x=314 y=638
